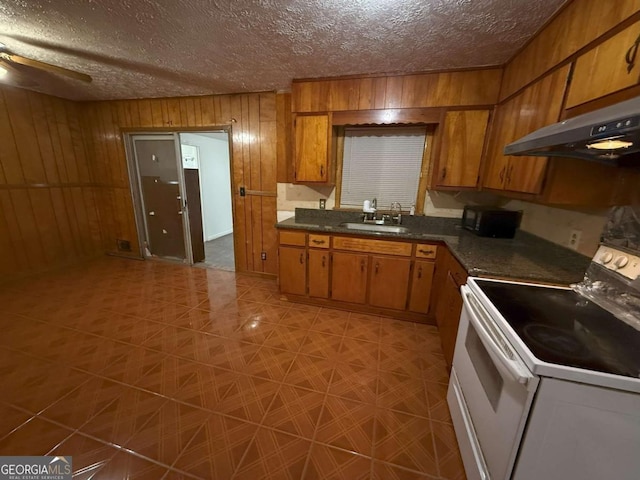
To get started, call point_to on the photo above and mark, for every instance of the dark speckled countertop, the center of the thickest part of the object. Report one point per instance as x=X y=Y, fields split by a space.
x=525 y=257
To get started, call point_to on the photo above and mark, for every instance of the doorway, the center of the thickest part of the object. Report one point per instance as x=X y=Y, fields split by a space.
x=181 y=186
x=160 y=199
x=207 y=171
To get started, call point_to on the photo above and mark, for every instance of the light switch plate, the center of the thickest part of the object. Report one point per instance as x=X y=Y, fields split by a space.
x=323 y=203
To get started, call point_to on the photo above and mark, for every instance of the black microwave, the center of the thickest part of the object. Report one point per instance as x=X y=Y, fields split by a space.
x=491 y=221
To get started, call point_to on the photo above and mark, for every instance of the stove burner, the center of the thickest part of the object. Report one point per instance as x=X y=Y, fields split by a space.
x=556 y=340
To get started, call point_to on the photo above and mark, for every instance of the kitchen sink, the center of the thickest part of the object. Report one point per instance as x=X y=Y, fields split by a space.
x=369 y=227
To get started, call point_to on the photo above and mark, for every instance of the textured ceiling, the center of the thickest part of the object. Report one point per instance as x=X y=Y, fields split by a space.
x=158 y=48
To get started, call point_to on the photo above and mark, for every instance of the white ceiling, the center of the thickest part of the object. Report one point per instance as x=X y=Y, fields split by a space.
x=158 y=48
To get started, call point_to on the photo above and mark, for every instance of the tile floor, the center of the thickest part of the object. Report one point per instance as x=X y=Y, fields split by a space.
x=219 y=253
x=148 y=370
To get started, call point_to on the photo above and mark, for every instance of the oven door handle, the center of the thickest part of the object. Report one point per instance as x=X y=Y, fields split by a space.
x=505 y=359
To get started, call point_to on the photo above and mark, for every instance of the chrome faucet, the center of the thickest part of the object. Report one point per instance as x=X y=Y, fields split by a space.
x=374 y=203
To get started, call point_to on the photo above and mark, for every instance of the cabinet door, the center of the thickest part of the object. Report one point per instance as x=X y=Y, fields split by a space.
x=293 y=270
x=419 y=300
x=537 y=106
x=462 y=144
x=540 y=105
x=389 y=282
x=448 y=328
x=603 y=70
x=439 y=283
x=349 y=277
x=319 y=273
x=311 y=149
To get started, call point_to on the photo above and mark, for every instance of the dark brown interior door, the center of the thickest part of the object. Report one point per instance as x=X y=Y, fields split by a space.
x=192 y=187
x=158 y=169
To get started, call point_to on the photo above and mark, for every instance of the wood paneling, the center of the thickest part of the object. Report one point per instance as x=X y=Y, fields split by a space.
x=463 y=88
x=253 y=119
x=581 y=22
x=48 y=214
x=284 y=128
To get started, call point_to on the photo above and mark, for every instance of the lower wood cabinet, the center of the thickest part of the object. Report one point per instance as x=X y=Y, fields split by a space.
x=389 y=284
x=293 y=270
x=388 y=277
x=449 y=304
x=318 y=273
x=420 y=297
x=349 y=277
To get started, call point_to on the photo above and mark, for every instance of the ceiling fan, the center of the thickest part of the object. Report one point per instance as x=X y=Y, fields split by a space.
x=20 y=67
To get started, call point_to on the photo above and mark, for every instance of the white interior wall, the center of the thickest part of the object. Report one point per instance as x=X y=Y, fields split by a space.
x=215 y=182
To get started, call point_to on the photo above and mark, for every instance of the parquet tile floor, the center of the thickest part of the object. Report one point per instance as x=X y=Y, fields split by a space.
x=149 y=370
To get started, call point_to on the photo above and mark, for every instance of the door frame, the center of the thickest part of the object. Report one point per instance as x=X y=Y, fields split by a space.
x=135 y=189
x=135 y=186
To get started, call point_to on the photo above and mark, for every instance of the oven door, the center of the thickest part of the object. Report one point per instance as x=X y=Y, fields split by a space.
x=490 y=394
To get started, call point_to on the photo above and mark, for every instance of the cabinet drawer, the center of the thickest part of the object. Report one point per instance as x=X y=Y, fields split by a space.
x=372 y=246
x=319 y=241
x=292 y=238
x=424 y=250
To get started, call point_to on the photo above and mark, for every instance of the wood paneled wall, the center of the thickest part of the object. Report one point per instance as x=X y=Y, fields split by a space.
x=48 y=215
x=462 y=88
x=252 y=118
x=581 y=22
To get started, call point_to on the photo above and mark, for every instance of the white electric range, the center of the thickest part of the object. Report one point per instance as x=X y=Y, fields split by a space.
x=545 y=382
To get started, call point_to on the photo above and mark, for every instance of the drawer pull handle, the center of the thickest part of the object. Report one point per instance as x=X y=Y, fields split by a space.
x=301 y=258
x=425 y=252
x=361 y=266
x=420 y=272
x=321 y=171
x=324 y=260
x=502 y=174
x=377 y=266
x=318 y=242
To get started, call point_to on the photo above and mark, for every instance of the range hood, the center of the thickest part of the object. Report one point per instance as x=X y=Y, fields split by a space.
x=610 y=135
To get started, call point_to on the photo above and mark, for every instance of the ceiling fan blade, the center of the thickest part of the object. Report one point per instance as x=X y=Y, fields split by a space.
x=17 y=77
x=48 y=67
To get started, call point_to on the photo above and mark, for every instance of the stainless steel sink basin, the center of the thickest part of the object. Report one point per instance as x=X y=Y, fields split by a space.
x=369 y=227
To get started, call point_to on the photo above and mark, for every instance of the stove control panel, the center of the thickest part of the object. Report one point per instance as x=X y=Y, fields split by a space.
x=621 y=262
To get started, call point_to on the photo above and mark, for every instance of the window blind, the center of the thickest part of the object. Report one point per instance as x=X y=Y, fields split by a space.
x=382 y=163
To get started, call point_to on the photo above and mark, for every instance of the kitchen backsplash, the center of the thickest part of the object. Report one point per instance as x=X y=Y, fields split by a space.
x=557 y=224
x=553 y=224
x=437 y=204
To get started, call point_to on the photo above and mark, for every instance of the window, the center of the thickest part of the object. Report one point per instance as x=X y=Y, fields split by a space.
x=383 y=163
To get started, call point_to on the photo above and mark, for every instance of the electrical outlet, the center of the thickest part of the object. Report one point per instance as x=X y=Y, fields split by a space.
x=263 y=255
x=574 y=239
x=323 y=203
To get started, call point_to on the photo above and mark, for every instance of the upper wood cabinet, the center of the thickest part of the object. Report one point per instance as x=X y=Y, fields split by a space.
x=537 y=106
x=462 y=137
x=312 y=148
x=604 y=69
